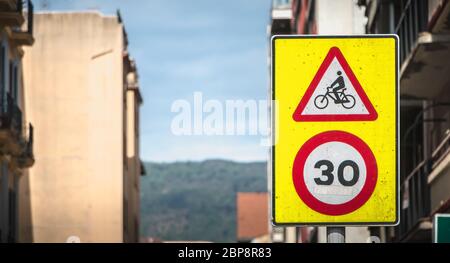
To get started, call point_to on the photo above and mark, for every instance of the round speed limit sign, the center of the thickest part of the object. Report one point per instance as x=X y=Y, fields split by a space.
x=335 y=173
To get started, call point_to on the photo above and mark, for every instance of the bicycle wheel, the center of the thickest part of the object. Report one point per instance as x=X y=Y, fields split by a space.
x=350 y=102
x=321 y=102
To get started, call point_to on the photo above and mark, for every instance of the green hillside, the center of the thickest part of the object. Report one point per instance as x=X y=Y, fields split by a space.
x=196 y=200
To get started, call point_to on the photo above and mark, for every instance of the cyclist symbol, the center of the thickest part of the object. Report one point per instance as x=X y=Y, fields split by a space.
x=336 y=92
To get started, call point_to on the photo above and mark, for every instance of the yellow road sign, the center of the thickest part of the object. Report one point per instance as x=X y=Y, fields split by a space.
x=335 y=130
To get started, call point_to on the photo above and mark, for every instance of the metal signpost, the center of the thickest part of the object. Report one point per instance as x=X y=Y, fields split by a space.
x=335 y=157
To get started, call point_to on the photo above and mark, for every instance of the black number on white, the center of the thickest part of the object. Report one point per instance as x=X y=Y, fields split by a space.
x=328 y=173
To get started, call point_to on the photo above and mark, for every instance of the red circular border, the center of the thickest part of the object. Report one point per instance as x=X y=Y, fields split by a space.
x=357 y=201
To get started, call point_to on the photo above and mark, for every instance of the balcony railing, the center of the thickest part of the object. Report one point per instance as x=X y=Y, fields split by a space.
x=415 y=199
x=415 y=191
x=412 y=21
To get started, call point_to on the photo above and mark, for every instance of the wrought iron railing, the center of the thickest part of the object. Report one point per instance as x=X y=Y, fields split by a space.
x=415 y=191
x=412 y=21
x=415 y=199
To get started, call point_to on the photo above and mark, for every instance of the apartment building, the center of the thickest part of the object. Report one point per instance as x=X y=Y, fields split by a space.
x=16 y=132
x=322 y=17
x=424 y=33
x=84 y=186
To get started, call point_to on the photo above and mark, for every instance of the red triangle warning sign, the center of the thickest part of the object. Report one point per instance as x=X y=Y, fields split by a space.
x=335 y=94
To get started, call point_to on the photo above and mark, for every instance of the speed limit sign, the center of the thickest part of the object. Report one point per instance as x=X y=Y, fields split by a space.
x=335 y=130
x=335 y=173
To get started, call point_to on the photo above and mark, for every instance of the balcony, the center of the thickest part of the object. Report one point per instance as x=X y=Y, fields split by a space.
x=11 y=13
x=415 y=224
x=10 y=127
x=424 y=48
x=24 y=36
x=424 y=192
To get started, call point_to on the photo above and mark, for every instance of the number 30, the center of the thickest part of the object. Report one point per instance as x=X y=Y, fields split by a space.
x=328 y=172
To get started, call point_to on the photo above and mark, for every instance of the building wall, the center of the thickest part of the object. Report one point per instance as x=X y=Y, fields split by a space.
x=251 y=215
x=76 y=102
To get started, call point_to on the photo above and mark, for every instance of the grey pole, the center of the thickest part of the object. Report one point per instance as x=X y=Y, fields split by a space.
x=335 y=234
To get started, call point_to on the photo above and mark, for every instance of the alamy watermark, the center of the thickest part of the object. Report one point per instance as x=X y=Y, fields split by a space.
x=222 y=118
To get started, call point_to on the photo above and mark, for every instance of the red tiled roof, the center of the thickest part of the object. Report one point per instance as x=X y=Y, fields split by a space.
x=252 y=215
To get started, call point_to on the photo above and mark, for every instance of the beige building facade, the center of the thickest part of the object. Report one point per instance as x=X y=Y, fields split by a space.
x=16 y=133
x=84 y=98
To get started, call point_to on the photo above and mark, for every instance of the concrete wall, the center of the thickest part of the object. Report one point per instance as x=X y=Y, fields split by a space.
x=75 y=99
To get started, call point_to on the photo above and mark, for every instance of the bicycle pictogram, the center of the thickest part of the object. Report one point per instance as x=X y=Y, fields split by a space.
x=336 y=92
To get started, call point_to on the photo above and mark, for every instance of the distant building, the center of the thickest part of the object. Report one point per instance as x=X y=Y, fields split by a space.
x=252 y=217
x=16 y=132
x=424 y=32
x=84 y=99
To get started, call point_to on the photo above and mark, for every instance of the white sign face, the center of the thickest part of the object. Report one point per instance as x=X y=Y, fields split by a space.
x=335 y=173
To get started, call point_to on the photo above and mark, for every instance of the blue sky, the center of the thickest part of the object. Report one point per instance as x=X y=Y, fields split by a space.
x=212 y=46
